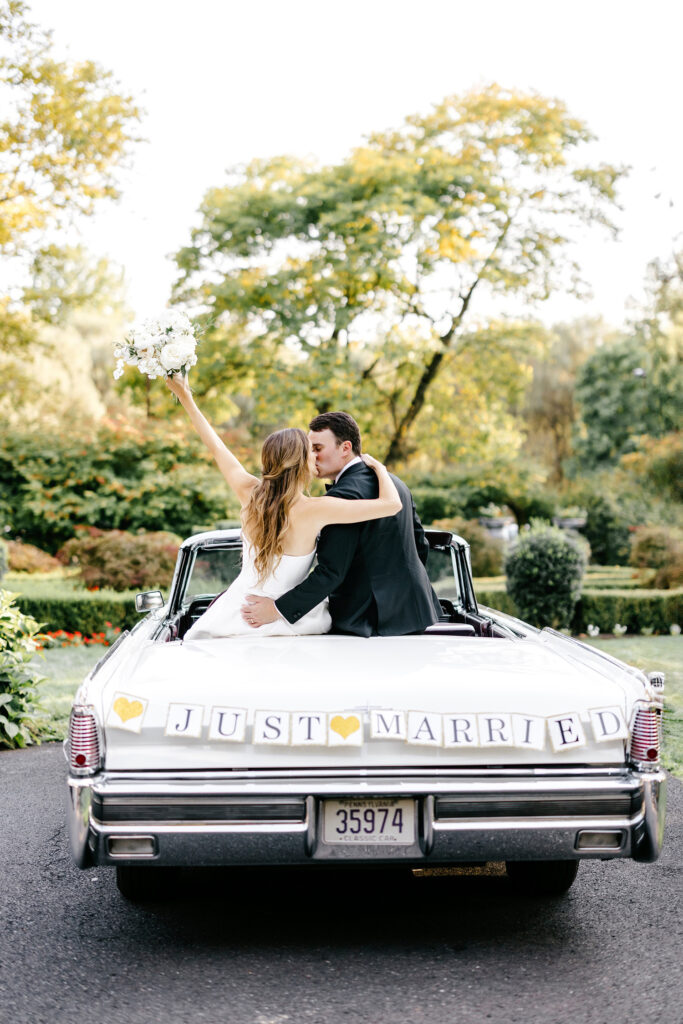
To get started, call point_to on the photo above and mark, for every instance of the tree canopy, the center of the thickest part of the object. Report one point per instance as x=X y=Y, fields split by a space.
x=354 y=283
x=64 y=129
x=634 y=387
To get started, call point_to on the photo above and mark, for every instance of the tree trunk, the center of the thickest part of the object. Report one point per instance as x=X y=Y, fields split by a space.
x=396 y=449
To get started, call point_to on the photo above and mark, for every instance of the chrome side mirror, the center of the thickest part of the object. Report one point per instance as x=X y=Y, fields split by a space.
x=657 y=680
x=146 y=602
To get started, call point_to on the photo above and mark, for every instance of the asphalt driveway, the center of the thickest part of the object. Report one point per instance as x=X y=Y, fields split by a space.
x=269 y=947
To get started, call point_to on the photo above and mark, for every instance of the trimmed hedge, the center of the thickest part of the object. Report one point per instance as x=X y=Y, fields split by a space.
x=498 y=599
x=635 y=609
x=78 y=613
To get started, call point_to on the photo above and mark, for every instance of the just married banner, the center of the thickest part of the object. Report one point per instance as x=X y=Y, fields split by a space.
x=352 y=728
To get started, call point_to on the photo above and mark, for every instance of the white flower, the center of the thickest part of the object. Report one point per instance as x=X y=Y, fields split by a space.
x=118 y=372
x=619 y=630
x=174 y=355
x=675 y=629
x=592 y=630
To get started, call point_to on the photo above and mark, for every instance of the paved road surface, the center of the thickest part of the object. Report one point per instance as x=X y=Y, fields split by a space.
x=273 y=949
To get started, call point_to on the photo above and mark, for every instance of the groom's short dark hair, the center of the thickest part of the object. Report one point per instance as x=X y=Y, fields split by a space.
x=343 y=426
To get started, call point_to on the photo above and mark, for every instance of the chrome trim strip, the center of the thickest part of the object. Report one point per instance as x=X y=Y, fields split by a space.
x=497 y=837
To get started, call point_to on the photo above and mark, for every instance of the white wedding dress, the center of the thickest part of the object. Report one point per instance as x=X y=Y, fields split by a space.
x=224 y=617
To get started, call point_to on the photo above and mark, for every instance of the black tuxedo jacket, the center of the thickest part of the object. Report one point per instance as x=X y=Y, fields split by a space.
x=373 y=572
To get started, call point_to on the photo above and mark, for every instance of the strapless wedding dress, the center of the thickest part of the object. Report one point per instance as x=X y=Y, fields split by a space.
x=224 y=617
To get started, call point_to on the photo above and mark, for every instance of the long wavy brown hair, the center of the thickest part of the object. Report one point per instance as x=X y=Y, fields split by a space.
x=284 y=461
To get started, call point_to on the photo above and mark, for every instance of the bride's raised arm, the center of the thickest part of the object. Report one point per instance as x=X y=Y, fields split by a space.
x=329 y=510
x=232 y=469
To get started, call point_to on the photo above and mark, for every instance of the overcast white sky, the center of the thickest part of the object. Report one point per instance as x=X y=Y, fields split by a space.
x=223 y=82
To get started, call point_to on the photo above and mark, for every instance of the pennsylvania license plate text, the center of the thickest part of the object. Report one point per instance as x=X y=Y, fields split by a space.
x=369 y=821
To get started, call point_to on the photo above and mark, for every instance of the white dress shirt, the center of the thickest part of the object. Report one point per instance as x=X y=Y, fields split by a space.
x=344 y=468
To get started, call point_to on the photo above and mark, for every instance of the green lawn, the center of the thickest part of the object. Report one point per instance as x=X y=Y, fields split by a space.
x=65 y=668
x=657 y=652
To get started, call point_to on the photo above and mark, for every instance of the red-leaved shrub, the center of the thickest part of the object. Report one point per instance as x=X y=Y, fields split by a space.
x=120 y=560
x=28 y=558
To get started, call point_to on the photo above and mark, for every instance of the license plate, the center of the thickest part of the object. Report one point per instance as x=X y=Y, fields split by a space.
x=369 y=821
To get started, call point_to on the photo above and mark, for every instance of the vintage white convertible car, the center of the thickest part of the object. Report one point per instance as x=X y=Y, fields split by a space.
x=481 y=740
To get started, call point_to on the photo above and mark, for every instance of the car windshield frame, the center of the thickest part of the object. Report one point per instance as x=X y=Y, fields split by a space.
x=446 y=543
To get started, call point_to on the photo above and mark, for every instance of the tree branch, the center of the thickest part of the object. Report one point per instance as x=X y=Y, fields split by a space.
x=431 y=370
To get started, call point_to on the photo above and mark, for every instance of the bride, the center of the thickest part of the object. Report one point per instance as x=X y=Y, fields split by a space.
x=280 y=523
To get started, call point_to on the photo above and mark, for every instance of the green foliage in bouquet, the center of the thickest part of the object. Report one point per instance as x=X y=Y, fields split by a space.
x=122 y=561
x=18 y=679
x=544 y=572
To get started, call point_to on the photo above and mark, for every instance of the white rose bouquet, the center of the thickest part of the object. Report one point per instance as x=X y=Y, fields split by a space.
x=160 y=347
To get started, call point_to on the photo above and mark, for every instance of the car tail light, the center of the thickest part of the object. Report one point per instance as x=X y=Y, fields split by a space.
x=646 y=735
x=84 y=746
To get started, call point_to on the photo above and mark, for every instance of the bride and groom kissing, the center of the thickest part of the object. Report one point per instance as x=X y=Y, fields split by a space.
x=370 y=577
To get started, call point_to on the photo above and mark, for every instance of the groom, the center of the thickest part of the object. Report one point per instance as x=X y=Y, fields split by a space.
x=373 y=572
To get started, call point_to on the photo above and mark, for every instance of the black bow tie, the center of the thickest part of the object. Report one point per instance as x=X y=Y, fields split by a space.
x=327 y=486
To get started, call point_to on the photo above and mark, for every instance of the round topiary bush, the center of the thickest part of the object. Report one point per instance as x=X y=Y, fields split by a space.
x=544 y=570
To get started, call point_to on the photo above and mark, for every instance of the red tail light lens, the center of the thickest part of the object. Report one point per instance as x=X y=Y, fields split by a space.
x=646 y=735
x=84 y=742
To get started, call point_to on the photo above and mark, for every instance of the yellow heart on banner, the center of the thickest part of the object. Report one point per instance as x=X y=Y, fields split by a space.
x=126 y=709
x=345 y=726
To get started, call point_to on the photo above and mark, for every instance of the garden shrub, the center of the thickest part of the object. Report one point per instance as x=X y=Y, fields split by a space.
x=4 y=558
x=28 y=558
x=655 y=547
x=606 y=530
x=544 y=570
x=670 y=575
x=122 y=478
x=122 y=561
x=469 y=489
x=486 y=552
x=433 y=503
x=18 y=679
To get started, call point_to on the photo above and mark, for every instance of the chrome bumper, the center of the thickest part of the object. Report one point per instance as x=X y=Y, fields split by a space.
x=253 y=818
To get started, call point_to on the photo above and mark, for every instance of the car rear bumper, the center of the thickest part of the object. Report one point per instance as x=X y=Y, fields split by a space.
x=254 y=818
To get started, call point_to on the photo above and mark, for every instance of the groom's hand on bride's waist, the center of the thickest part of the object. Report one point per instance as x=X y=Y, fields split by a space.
x=257 y=611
